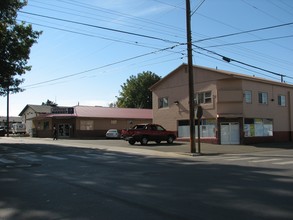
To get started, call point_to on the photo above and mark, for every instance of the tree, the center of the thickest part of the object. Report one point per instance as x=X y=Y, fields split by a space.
x=49 y=103
x=16 y=39
x=135 y=92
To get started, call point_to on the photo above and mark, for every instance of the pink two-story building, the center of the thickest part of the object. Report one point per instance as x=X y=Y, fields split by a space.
x=237 y=108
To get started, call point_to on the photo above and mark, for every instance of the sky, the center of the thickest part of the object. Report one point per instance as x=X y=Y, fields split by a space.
x=89 y=48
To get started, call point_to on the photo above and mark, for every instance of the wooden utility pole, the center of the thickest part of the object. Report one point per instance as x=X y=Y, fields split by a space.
x=7 y=119
x=190 y=78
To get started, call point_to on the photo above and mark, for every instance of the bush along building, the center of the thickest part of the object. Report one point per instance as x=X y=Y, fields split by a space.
x=237 y=108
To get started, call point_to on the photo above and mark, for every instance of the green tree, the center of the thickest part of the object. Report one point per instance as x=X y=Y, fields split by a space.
x=135 y=92
x=49 y=103
x=16 y=39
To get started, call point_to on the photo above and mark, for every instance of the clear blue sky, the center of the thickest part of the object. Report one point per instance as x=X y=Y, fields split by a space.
x=76 y=60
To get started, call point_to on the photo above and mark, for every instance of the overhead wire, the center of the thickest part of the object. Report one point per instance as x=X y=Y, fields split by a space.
x=244 y=32
x=243 y=63
x=254 y=53
x=210 y=38
x=101 y=27
x=201 y=40
x=195 y=10
x=238 y=66
x=100 y=67
x=251 y=52
x=251 y=41
x=131 y=18
x=95 y=36
x=102 y=18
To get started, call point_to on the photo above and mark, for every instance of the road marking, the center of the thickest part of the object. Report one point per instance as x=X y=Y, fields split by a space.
x=78 y=156
x=29 y=158
x=264 y=160
x=54 y=157
x=284 y=163
x=242 y=158
x=6 y=161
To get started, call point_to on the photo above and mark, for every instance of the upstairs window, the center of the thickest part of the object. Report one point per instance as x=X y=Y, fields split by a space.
x=203 y=97
x=248 y=97
x=282 y=100
x=263 y=97
x=163 y=102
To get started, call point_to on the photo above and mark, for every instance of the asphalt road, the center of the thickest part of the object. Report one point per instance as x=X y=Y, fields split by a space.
x=82 y=180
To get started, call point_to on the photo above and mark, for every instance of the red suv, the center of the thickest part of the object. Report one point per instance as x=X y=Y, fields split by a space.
x=144 y=133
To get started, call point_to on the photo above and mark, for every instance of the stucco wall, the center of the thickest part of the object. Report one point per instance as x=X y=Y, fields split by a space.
x=228 y=99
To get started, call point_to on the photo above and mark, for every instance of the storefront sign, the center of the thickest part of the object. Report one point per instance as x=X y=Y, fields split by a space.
x=60 y=110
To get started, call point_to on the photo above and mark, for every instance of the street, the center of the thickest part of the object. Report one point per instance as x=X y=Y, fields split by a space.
x=98 y=180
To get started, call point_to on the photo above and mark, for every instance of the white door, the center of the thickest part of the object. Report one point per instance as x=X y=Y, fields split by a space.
x=230 y=133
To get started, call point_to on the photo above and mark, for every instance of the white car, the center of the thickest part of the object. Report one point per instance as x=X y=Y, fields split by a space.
x=113 y=133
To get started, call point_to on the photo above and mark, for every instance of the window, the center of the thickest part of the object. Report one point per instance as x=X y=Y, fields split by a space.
x=46 y=125
x=113 y=122
x=163 y=102
x=203 y=97
x=263 y=97
x=259 y=127
x=208 y=128
x=282 y=100
x=248 y=96
x=160 y=128
x=87 y=125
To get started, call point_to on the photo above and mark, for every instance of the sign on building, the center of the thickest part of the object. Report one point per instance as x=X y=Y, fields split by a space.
x=61 y=110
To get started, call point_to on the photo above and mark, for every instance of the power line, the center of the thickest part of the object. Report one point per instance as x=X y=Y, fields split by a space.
x=251 y=41
x=108 y=11
x=92 y=35
x=195 y=10
x=164 y=3
x=101 y=27
x=243 y=63
x=157 y=30
x=235 y=65
x=104 y=66
x=243 y=32
x=105 y=38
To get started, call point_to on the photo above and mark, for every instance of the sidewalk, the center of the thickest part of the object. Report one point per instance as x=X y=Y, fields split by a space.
x=210 y=149
x=177 y=148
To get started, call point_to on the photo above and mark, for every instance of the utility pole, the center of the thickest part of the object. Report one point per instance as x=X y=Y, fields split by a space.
x=190 y=78
x=7 y=119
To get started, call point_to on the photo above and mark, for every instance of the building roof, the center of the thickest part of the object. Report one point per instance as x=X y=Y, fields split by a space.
x=43 y=109
x=106 y=112
x=228 y=73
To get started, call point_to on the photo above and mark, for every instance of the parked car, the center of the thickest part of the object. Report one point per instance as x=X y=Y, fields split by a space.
x=2 y=131
x=112 y=133
x=144 y=133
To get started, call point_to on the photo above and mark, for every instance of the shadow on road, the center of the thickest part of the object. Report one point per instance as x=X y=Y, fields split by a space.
x=84 y=183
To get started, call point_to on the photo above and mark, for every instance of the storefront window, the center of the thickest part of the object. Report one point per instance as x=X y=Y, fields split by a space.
x=46 y=125
x=87 y=125
x=207 y=128
x=258 y=127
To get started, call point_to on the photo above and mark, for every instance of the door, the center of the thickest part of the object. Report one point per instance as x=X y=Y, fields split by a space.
x=63 y=130
x=230 y=133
